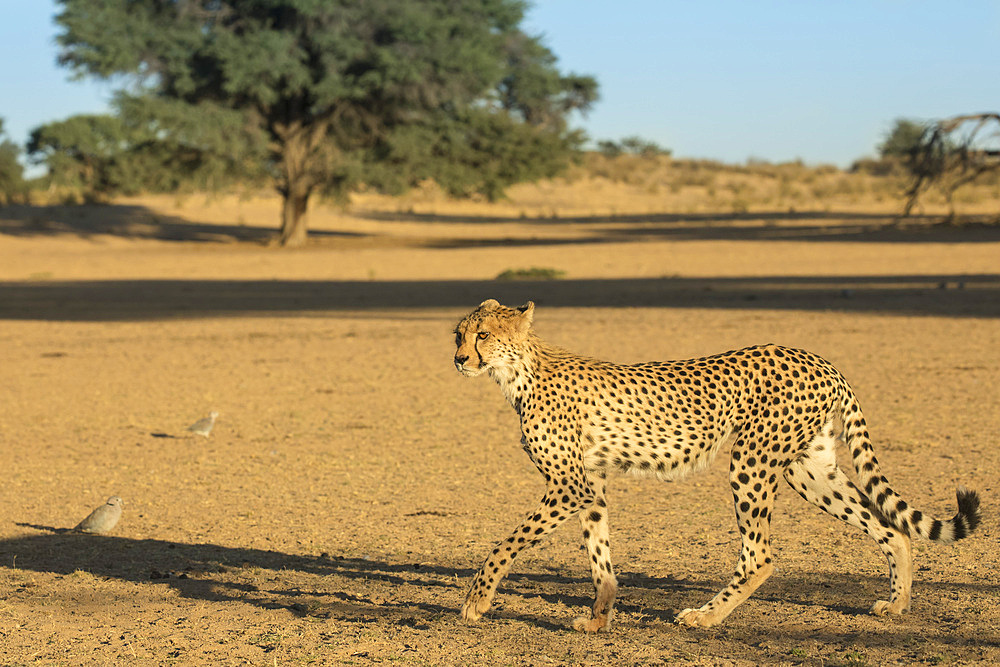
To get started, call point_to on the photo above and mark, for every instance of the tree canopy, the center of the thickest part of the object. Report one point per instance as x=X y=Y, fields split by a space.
x=134 y=150
x=903 y=139
x=85 y=152
x=446 y=89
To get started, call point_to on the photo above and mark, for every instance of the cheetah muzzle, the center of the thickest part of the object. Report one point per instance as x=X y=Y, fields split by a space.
x=780 y=413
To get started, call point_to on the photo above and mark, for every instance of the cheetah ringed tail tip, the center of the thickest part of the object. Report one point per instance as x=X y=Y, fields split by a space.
x=889 y=504
x=961 y=525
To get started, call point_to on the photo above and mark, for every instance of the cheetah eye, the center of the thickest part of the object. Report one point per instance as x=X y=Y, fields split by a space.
x=483 y=335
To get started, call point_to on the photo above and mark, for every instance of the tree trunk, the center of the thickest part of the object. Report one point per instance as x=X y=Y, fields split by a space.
x=293 y=219
x=296 y=187
x=300 y=154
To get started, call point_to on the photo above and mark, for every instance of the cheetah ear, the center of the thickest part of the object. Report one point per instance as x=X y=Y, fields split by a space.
x=525 y=314
x=490 y=304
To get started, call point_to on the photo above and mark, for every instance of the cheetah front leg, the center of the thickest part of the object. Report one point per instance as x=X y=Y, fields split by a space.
x=594 y=520
x=557 y=505
x=753 y=492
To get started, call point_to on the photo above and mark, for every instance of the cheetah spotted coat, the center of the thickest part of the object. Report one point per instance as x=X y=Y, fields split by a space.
x=779 y=412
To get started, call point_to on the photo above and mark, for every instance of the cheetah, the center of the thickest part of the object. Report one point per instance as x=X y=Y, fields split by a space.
x=779 y=411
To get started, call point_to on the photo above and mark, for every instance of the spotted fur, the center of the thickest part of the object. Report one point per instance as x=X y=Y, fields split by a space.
x=780 y=413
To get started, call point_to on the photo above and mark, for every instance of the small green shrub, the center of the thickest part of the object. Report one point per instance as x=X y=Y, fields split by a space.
x=855 y=659
x=534 y=273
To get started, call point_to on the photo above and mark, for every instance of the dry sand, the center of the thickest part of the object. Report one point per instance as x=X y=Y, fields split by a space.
x=355 y=481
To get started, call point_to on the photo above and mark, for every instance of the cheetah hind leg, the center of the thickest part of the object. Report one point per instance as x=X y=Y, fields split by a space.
x=755 y=564
x=816 y=477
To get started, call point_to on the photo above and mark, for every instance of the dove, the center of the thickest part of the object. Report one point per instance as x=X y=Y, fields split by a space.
x=102 y=519
x=204 y=426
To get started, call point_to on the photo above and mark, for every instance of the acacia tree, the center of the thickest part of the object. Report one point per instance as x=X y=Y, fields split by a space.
x=951 y=153
x=322 y=80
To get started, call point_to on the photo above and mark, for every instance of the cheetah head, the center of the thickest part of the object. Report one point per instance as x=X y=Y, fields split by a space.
x=488 y=338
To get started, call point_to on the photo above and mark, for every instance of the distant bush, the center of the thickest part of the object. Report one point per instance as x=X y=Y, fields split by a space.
x=534 y=273
x=12 y=185
x=887 y=166
x=633 y=145
x=903 y=139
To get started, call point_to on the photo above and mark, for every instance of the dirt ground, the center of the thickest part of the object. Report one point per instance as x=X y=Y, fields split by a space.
x=355 y=481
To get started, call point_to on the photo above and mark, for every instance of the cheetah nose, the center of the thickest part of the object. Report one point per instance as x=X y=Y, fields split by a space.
x=461 y=359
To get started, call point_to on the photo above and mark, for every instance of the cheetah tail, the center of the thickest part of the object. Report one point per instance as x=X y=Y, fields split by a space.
x=888 y=503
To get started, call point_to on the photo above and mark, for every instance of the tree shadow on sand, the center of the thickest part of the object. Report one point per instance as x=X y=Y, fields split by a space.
x=129 y=222
x=139 y=222
x=954 y=295
x=823 y=226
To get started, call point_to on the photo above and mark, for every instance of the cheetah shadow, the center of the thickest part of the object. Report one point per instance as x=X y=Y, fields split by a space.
x=414 y=594
x=217 y=573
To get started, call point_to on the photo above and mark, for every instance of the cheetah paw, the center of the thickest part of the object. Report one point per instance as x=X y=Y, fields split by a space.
x=473 y=610
x=694 y=618
x=590 y=625
x=883 y=608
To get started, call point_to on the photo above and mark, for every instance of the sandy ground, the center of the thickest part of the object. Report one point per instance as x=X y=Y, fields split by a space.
x=355 y=481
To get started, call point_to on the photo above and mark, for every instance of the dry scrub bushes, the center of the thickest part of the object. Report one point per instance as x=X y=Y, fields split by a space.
x=704 y=185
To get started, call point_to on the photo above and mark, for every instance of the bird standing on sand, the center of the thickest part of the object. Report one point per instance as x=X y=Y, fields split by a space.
x=102 y=519
x=204 y=426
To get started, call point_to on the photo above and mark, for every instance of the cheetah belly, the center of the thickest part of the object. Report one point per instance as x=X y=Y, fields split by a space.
x=659 y=454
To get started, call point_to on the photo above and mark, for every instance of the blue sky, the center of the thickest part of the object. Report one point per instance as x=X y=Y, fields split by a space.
x=815 y=80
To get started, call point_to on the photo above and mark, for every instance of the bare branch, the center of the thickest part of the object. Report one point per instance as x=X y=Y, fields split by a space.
x=948 y=159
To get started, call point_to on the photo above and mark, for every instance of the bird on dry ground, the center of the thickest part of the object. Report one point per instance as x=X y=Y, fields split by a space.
x=203 y=427
x=102 y=519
